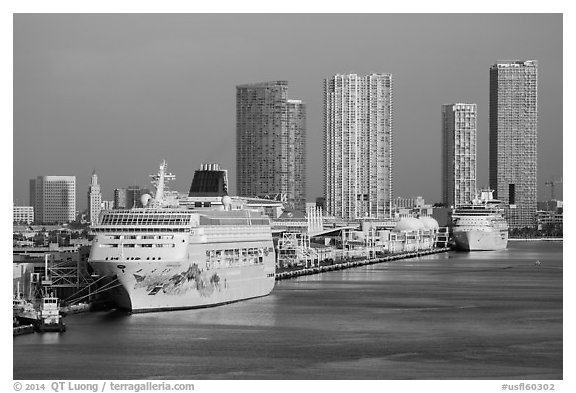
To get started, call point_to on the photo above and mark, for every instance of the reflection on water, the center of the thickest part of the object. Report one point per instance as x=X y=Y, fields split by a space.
x=492 y=315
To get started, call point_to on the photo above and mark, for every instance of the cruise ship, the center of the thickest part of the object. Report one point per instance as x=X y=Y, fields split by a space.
x=480 y=225
x=165 y=256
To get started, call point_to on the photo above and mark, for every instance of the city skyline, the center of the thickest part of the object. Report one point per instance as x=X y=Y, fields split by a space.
x=137 y=95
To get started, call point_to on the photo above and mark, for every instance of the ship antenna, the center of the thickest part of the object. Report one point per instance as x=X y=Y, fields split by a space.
x=159 y=181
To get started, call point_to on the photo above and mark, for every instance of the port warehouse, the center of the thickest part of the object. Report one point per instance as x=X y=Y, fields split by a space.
x=298 y=242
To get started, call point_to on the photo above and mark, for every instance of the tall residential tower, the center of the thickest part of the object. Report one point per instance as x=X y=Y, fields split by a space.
x=513 y=138
x=270 y=143
x=458 y=153
x=358 y=145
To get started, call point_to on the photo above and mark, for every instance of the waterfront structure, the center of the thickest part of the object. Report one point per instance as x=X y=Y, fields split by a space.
x=458 y=154
x=513 y=138
x=411 y=207
x=165 y=256
x=94 y=199
x=358 y=145
x=67 y=269
x=53 y=198
x=270 y=143
x=23 y=214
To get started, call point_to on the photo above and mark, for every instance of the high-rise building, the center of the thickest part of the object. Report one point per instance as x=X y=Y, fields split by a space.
x=133 y=197
x=513 y=138
x=458 y=153
x=128 y=198
x=119 y=198
x=94 y=200
x=53 y=198
x=270 y=143
x=358 y=145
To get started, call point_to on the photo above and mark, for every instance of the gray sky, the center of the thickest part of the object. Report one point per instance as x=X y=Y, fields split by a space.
x=121 y=92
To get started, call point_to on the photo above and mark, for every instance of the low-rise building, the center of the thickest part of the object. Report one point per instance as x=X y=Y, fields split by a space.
x=23 y=214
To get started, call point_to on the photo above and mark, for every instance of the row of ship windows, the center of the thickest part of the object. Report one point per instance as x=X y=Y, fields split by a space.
x=216 y=254
x=132 y=245
x=145 y=219
x=132 y=258
x=136 y=229
x=237 y=256
x=140 y=237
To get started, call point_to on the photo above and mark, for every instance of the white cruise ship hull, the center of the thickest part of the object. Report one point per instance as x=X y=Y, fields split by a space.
x=480 y=240
x=157 y=286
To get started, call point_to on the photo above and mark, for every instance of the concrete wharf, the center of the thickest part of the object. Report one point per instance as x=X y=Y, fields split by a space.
x=304 y=271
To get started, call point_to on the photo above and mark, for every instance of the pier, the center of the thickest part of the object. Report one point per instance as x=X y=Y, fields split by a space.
x=346 y=264
x=23 y=329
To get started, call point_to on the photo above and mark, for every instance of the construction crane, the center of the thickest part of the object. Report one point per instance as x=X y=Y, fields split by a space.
x=551 y=183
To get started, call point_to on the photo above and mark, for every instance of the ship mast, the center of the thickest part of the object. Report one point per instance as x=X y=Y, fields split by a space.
x=159 y=181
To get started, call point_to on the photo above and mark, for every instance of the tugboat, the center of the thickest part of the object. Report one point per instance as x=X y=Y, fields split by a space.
x=45 y=319
x=49 y=318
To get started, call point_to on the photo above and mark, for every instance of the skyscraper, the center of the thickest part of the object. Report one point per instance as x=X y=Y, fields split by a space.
x=358 y=145
x=458 y=153
x=94 y=199
x=513 y=138
x=270 y=143
x=119 y=198
x=53 y=198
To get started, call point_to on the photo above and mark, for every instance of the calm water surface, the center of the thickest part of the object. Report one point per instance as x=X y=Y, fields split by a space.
x=485 y=315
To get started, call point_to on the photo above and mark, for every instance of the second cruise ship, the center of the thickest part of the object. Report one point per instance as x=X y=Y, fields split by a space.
x=480 y=225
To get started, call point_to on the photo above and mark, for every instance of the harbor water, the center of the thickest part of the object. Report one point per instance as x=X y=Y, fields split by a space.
x=454 y=315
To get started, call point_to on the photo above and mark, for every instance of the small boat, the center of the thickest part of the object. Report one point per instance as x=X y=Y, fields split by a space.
x=49 y=318
x=24 y=312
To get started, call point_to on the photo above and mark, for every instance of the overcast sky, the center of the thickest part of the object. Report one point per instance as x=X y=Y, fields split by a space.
x=121 y=92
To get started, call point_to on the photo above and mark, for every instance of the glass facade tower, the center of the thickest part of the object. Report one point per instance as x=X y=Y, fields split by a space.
x=513 y=138
x=270 y=143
